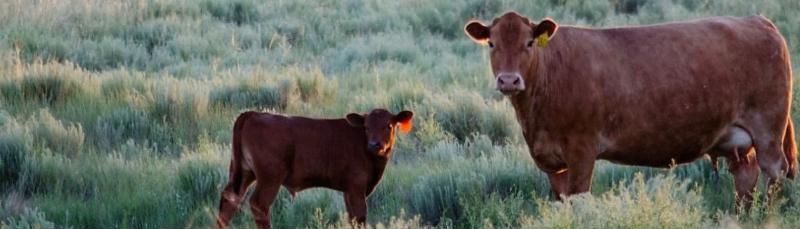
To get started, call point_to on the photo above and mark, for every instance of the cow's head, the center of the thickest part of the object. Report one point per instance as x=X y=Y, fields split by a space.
x=513 y=40
x=380 y=125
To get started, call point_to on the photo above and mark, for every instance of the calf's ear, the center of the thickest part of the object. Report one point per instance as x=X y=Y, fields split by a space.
x=355 y=120
x=477 y=31
x=404 y=119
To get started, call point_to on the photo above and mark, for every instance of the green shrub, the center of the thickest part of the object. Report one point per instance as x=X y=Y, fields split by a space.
x=66 y=139
x=10 y=92
x=429 y=132
x=466 y=113
x=237 y=11
x=313 y=86
x=289 y=212
x=123 y=87
x=50 y=88
x=630 y=6
x=175 y=104
x=248 y=96
x=31 y=218
x=200 y=178
x=461 y=117
x=108 y=53
x=481 y=211
x=436 y=198
x=373 y=50
x=14 y=156
x=193 y=48
x=459 y=190
x=663 y=201
x=290 y=93
x=122 y=125
x=405 y=96
x=152 y=34
x=163 y=9
x=36 y=45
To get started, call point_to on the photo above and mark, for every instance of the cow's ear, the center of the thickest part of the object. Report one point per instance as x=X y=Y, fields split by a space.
x=477 y=31
x=404 y=119
x=355 y=120
x=544 y=31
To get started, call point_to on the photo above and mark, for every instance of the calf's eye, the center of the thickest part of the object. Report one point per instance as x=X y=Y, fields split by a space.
x=530 y=43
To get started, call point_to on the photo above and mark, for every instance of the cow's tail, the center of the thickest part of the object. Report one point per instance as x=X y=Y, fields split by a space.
x=237 y=169
x=790 y=149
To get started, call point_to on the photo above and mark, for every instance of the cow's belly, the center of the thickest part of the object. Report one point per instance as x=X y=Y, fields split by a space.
x=653 y=158
x=668 y=153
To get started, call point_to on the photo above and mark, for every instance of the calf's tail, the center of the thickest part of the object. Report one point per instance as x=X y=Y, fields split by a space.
x=237 y=157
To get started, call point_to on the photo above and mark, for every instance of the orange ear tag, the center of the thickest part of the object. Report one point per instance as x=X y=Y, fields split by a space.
x=405 y=127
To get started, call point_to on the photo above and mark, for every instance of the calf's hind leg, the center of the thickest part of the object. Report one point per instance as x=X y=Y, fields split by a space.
x=233 y=195
x=264 y=194
x=261 y=202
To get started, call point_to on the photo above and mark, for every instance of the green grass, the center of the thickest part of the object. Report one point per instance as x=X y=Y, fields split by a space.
x=118 y=114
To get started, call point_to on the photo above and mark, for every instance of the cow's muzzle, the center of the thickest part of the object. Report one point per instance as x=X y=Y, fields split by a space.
x=510 y=83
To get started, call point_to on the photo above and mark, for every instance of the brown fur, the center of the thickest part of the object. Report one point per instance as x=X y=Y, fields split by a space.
x=648 y=95
x=348 y=155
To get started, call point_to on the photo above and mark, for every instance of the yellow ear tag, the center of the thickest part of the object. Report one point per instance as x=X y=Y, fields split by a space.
x=542 y=40
x=405 y=127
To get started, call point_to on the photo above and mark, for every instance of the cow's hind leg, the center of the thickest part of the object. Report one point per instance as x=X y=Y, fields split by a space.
x=745 y=174
x=233 y=195
x=770 y=157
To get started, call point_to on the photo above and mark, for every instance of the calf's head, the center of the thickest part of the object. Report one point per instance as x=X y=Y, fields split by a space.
x=380 y=126
x=514 y=41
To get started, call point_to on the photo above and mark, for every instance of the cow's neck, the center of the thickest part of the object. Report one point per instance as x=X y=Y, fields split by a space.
x=528 y=102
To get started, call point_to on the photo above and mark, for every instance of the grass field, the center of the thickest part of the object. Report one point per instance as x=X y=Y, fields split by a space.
x=118 y=114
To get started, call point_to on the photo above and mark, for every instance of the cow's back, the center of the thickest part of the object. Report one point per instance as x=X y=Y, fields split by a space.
x=661 y=92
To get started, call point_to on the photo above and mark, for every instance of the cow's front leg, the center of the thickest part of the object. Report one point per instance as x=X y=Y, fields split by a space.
x=580 y=165
x=356 y=203
x=558 y=183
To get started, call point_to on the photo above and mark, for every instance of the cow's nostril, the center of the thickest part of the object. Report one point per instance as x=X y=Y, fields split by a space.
x=500 y=81
x=516 y=81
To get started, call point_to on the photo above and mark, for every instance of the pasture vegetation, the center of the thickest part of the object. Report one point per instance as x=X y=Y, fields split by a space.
x=118 y=114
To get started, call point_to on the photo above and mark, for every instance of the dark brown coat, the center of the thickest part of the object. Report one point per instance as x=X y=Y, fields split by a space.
x=652 y=95
x=348 y=155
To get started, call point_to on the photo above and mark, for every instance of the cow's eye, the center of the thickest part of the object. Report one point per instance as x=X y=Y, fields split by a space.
x=491 y=45
x=530 y=43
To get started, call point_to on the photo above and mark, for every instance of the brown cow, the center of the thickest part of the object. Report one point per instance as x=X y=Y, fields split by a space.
x=347 y=155
x=653 y=95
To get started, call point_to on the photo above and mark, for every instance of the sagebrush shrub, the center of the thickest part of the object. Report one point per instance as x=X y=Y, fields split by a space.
x=63 y=138
x=50 y=88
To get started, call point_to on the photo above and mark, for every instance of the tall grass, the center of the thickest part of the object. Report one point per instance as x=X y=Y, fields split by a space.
x=118 y=114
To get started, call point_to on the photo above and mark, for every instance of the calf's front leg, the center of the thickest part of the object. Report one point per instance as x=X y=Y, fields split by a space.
x=356 y=203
